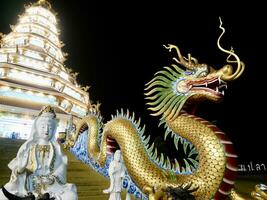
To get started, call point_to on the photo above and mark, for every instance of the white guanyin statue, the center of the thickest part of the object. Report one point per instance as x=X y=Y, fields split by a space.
x=116 y=175
x=40 y=165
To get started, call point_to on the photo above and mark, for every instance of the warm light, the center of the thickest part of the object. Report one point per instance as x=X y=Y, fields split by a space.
x=29 y=63
x=59 y=56
x=72 y=93
x=37 y=42
x=52 y=51
x=53 y=38
x=43 y=31
x=28 y=96
x=29 y=93
x=15 y=40
x=79 y=110
x=51 y=97
x=64 y=75
x=2 y=71
x=54 y=70
x=40 y=94
x=5 y=88
x=3 y=58
x=43 y=12
x=22 y=29
x=33 y=55
x=18 y=90
x=24 y=19
x=38 y=19
x=58 y=86
x=28 y=77
x=19 y=41
x=65 y=104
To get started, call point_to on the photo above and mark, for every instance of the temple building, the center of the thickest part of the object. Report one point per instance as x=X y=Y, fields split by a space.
x=33 y=74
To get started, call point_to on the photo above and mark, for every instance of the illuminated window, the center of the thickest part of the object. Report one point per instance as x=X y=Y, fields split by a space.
x=26 y=28
x=48 y=59
x=22 y=28
x=65 y=104
x=19 y=41
x=1 y=71
x=18 y=126
x=25 y=19
x=36 y=42
x=45 y=22
x=38 y=31
x=30 y=78
x=42 y=11
x=3 y=58
x=79 y=110
x=28 y=96
x=15 y=126
x=53 y=38
x=64 y=75
x=30 y=63
x=59 y=56
x=5 y=88
x=58 y=86
x=72 y=93
x=52 y=51
x=33 y=55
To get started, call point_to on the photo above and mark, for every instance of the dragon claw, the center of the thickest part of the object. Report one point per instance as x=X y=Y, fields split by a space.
x=260 y=192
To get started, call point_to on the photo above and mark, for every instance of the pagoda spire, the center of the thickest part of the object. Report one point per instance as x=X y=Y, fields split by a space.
x=41 y=1
x=44 y=3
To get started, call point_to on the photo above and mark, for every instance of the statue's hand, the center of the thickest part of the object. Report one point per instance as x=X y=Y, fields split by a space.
x=106 y=191
x=47 y=180
x=19 y=170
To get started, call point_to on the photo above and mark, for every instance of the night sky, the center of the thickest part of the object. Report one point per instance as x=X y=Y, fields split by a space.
x=117 y=47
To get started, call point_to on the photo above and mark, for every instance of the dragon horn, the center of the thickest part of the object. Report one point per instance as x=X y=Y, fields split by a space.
x=240 y=65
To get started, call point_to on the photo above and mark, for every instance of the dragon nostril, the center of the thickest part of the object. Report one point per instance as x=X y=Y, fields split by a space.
x=227 y=70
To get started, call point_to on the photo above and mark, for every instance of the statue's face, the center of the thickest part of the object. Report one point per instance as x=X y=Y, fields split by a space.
x=117 y=155
x=45 y=125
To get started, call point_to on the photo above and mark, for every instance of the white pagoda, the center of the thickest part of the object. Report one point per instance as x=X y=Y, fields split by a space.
x=33 y=74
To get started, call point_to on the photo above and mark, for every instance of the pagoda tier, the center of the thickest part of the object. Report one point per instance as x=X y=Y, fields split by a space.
x=32 y=70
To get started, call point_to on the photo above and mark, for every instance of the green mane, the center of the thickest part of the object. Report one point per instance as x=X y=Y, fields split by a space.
x=161 y=91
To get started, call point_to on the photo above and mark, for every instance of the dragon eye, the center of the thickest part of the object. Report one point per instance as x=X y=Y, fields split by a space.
x=188 y=72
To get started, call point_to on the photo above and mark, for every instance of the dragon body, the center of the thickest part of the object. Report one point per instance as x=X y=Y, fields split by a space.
x=215 y=166
x=209 y=168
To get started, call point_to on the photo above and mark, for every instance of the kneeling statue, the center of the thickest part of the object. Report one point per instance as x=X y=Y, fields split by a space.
x=39 y=168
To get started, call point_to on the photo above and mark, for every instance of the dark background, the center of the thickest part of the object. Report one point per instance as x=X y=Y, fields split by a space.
x=117 y=47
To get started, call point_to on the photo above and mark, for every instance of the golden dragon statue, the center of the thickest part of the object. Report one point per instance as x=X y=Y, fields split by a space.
x=209 y=170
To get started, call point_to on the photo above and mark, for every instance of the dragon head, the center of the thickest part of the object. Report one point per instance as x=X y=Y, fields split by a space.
x=172 y=87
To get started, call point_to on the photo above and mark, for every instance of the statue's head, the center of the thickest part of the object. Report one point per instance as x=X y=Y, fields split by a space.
x=117 y=155
x=46 y=123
